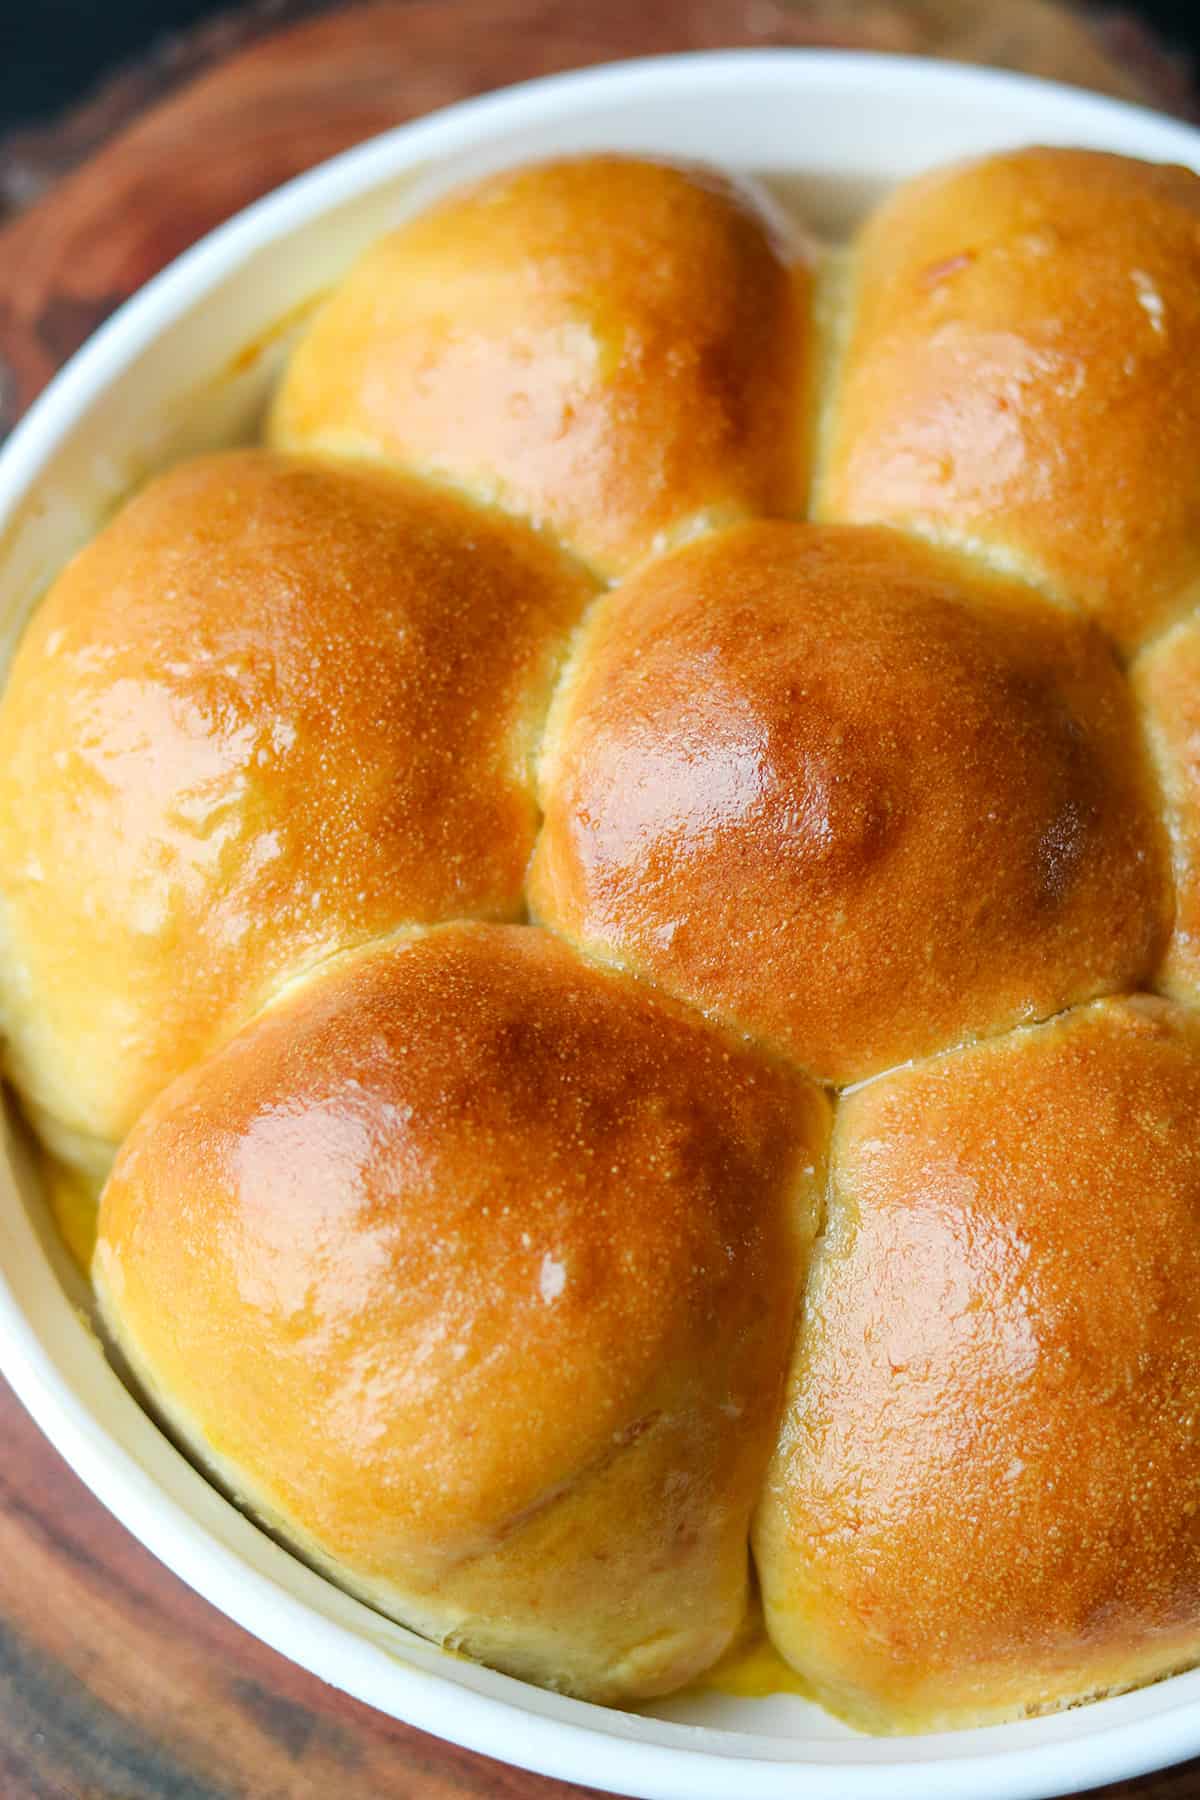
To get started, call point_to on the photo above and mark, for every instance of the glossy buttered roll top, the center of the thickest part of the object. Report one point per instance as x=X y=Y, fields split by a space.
x=276 y=708
x=474 y=1269
x=607 y=891
x=850 y=795
x=1018 y=377
x=611 y=347
x=985 y=1499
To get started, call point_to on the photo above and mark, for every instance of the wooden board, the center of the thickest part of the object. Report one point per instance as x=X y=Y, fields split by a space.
x=116 y=1683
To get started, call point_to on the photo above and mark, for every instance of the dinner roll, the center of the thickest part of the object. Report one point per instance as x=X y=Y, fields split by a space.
x=986 y=1496
x=274 y=709
x=849 y=795
x=472 y=1269
x=1166 y=680
x=1019 y=376
x=613 y=348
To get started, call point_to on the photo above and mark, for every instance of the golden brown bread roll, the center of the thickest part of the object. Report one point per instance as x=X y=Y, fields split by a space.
x=848 y=795
x=986 y=1497
x=1166 y=681
x=274 y=709
x=472 y=1269
x=1019 y=376
x=612 y=347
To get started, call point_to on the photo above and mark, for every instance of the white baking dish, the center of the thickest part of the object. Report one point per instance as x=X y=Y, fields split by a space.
x=187 y=365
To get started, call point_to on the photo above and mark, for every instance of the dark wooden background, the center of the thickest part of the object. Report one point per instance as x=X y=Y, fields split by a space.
x=117 y=1683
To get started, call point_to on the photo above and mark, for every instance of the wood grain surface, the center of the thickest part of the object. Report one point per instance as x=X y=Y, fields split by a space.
x=117 y=1683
